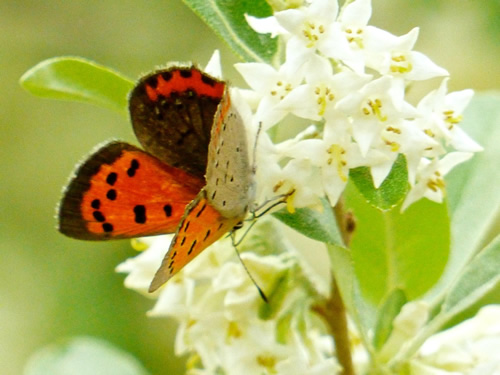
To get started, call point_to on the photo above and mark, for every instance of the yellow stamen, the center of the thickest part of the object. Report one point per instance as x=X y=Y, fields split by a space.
x=138 y=245
x=429 y=132
x=233 y=332
x=374 y=107
x=290 y=202
x=267 y=361
x=337 y=153
x=401 y=64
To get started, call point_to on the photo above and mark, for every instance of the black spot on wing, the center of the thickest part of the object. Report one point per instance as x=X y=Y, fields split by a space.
x=111 y=194
x=167 y=76
x=201 y=210
x=134 y=166
x=96 y=203
x=107 y=227
x=168 y=210
x=192 y=247
x=140 y=214
x=208 y=80
x=99 y=216
x=185 y=73
x=111 y=178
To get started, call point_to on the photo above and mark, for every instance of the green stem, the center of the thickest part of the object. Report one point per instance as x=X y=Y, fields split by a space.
x=333 y=309
x=334 y=314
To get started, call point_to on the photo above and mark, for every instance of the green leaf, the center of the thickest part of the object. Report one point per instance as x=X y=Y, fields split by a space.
x=473 y=193
x=361 y=312
x=227 y=19
x=74 y=78
x=398 y=250
x=391 y=192
x=319 y=225
x=385 y=316
x=83 y=356
x=479 y=277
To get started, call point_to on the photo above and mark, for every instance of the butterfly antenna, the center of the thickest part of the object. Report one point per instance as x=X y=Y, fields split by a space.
x=235 y=245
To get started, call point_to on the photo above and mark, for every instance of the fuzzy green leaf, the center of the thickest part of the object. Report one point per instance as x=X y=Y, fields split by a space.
x=74 y=78
x=392 y=190
x=227 y=19
x=479 y=277
x=385 y=316
x=343 y=271
x=398 y=250
x=319 y=225
x=473 y=194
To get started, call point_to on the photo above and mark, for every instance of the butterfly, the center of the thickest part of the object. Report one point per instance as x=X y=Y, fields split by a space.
x=192 y=178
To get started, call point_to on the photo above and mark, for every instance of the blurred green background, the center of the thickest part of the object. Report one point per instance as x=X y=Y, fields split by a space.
x=52 y=287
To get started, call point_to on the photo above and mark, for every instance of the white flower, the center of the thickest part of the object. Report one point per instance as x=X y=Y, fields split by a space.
x=470 y=348
x=430 y=177
x=374 y=107
x=365 y=41
x=142 y=268
x=309 y=29
x=217 y=307
x=395 y=57
x=401 y=137
x=316 y=99
x=406 y=324
x=441 y=114
x=272 y=85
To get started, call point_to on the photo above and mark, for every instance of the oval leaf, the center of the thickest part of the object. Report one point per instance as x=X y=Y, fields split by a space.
x=83 y=356
x=227 y=19
x=477 y=279
x=398 y=250
x=390 y=193
x=391 y=307
x=472 y=187
x=73 y=78
x=359 y=310
x=319 y=225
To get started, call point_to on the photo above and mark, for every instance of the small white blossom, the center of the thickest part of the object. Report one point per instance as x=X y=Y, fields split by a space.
x=272 y=86
x=396 y=58
x=430 y=177
x=441 y=115
x=316 y=99
x=401 y=137
x=470 y=348
x=377 y=105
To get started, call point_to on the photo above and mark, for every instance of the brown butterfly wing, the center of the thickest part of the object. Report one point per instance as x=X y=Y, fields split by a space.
x=229 y=174
x=172 y=112
x=224 y=201
x=201 y=226
x=121 y=191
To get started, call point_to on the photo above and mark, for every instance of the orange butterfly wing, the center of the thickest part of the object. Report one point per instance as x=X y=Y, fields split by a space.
x=201 y=226
x=123 y=192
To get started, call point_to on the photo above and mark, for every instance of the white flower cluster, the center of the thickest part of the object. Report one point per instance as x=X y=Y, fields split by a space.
x=349 y=79
x=470 y=348
x=224 y=325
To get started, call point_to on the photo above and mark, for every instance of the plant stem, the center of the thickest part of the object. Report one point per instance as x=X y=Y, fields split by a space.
x=333 y=310
x=334 y=313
